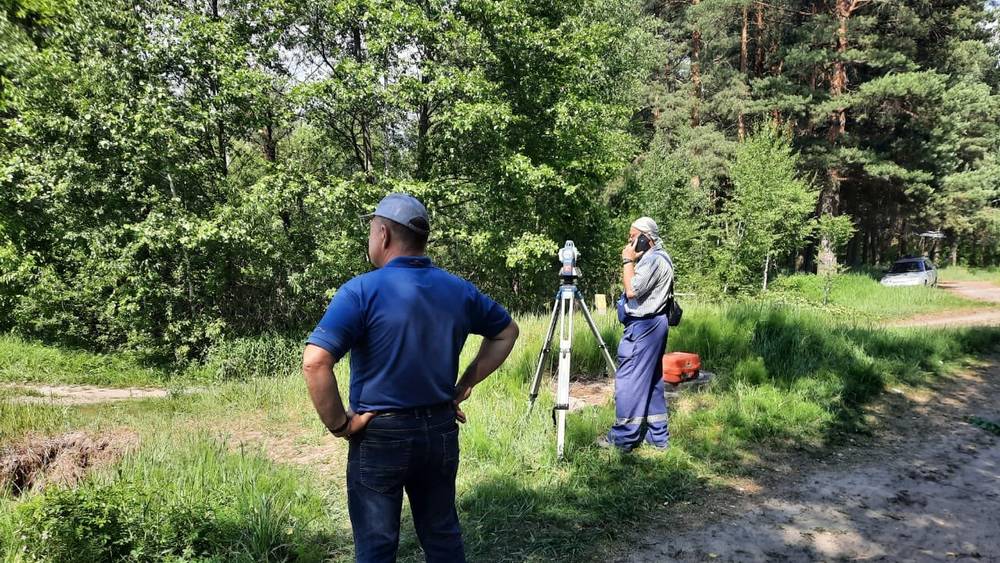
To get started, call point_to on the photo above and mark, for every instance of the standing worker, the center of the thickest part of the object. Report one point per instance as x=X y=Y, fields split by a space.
x=405 y=324
x=640 y=408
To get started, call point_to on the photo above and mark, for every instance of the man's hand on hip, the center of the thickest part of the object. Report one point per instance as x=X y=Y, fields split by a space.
x=355 y=423
x=461 y=393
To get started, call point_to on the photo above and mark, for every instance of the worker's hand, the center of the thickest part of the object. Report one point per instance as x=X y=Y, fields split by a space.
x=461 y=393
x=355 y=423
x=629 y=253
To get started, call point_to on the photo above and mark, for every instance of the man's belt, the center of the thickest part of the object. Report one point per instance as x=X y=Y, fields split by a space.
x=419 y=412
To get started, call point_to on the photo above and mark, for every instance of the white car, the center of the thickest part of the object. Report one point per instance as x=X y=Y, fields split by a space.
x=911 y=271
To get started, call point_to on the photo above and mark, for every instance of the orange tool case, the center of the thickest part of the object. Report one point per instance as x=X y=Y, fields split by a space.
x=679 y=367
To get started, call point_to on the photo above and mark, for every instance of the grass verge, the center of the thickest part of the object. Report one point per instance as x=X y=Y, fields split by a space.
x=862 y=297
x=961 y=273
x=22 y=361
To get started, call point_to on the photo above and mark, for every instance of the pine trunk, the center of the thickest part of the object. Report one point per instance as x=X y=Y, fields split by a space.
x=695 y=85
x=830 y=198
x=742 y=128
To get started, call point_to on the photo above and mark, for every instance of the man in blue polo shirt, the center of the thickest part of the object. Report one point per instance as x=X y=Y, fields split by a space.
x=404 y=324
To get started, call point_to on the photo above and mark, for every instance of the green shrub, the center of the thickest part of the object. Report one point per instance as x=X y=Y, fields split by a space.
x=186 y=501
x=267 y=355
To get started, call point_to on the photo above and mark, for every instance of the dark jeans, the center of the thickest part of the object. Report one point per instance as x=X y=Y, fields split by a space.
x=415 y=452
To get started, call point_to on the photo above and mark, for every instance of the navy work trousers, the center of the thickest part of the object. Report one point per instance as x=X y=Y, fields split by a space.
x=640 y=408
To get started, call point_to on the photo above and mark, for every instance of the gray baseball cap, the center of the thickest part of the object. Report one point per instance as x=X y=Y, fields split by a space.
x=405 y=210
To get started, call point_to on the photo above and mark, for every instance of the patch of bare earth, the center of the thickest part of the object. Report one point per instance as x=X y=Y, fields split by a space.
x=592 y=393
x=294 y=447
x=80 y=394
x=36 y=462
x=924 y=487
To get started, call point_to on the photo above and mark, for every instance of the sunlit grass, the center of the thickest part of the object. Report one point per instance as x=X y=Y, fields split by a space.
x=854 y=297
x=962 y=273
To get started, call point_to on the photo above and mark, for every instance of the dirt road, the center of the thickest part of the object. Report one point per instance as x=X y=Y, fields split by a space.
x=78 y=394
x=988 y=315
x=980 y=291
x=926 y=489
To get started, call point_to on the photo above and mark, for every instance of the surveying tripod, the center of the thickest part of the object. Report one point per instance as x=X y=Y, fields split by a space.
x=562 y=311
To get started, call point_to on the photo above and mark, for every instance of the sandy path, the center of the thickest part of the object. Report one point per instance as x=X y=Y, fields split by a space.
x=79 y=394
x=977 y=291
x=981 y=291
x=926 y=489
x=968 y=317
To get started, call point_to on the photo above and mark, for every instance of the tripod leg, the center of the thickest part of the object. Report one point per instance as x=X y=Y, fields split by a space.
x=565 y=356
x=597 y=334
x=543 y=356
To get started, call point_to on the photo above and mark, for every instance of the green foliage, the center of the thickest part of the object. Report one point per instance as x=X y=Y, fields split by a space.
x=838 y=230
x=166 y=502
x=168 y=180
x=767 y=215
x=174 y=176
x=917 y=99
x=661 y=188
x=266 y=355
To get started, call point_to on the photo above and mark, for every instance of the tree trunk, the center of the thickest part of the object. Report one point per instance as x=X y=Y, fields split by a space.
x=830 y=199
x=954 y=252
x=829 y=204
x=696 y=73
x=759 y=58
x=223 y=147
x=268 y=144
x=742 y=128
x=767 y=263
x=363 y=149
x=695 y=86
x=423 y=128
x=220 y=126
x=904 y=240
x=838 y=82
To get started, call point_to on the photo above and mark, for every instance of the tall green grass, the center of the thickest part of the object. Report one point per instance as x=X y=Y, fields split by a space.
x=962 y=273
x=179 y=499
x=853 y=299
x=235 y=359
x=266 y=355
x=861 y=296
x=787 y=378
x=22 y=361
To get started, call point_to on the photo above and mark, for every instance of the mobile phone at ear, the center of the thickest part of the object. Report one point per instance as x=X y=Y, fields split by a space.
x=642 y=243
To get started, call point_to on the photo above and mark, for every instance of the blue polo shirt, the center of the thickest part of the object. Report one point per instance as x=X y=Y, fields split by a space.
x=405 y=325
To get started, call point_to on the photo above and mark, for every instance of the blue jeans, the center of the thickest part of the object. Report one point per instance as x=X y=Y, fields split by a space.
x=413 y=452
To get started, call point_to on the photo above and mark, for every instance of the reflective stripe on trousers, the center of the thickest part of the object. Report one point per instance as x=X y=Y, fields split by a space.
x=641 y=419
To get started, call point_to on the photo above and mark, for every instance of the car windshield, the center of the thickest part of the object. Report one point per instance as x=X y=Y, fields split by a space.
x=905 y=267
